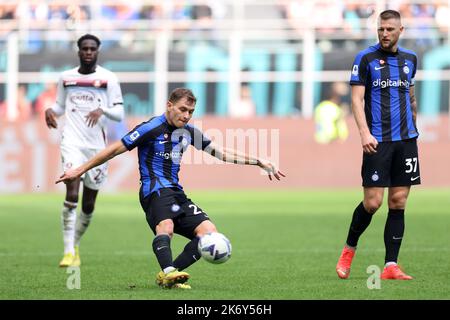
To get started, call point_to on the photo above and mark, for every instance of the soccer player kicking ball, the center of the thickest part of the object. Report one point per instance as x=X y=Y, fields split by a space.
x=385 y=110
x=161 y=142
x=87 y=96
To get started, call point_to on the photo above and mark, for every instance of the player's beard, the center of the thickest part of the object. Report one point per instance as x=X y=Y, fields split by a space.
x=388 y=46
x=88 y=65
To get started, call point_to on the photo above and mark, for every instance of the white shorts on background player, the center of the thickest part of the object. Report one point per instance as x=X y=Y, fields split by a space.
x=73 y=157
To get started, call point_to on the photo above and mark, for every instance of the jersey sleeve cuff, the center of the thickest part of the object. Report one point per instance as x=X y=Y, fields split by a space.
x=129 y=147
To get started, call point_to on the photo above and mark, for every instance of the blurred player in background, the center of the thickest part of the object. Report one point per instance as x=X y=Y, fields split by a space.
x=87 y=95
x=329 y=116
x=384 y=107
x=161 y=142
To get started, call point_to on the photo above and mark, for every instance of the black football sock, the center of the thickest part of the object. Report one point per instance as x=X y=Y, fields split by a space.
x=393 y=233
x=360 y=221
x=189 y=255
x=161 y=248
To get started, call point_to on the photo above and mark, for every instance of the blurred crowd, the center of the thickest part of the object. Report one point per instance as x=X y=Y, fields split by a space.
x=27 y=107
x=53 y=25
x=427 y=18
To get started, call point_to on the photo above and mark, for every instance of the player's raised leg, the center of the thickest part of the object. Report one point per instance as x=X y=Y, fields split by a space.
x=362 y=216
x=68 y=218
x=188 y=256
x=393 y=233
x=190 y=253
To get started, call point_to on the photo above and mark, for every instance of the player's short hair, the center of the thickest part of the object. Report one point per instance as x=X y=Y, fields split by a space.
x=88 y=37
x=390 y=14
x=179 y=93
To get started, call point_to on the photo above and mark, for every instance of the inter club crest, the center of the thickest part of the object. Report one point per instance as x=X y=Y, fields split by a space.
x=375 y=176
x=406 y=69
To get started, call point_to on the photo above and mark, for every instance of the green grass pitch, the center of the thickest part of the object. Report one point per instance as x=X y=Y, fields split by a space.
x=285 y=246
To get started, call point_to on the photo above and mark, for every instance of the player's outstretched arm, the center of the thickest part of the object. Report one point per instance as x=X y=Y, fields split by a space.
x=270 y=168
x=234 y=156
x=101 y=157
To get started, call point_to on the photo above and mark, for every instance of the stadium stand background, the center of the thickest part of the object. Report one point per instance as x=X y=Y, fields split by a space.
x=275 y=58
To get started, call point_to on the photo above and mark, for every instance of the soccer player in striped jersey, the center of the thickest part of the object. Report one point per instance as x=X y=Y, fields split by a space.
x=384 y=107
x=161 y=142
x=87 y=96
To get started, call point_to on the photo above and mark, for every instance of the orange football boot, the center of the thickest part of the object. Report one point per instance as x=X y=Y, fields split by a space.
x=344 y=263
x=393 y=272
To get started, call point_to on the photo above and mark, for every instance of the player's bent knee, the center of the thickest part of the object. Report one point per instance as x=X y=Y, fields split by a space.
x=372 y=206
x=164 y=231
x=397 y=203
x=205 y=227
x=165 y=226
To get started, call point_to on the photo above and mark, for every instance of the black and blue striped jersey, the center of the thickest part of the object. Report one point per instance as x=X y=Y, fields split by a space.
x=387 y=78
x=160 y=149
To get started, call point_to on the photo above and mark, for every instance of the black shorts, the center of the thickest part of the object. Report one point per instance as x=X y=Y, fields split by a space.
x=172 y=203
x=395 y=164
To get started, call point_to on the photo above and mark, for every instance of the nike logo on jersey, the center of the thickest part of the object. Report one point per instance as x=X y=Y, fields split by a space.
x=415 y=178
x=162 y=142
x=395 y=238
x=159 y=248
x=378 y=68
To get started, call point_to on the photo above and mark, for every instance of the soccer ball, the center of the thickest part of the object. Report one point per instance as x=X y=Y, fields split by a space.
x=214 y=247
